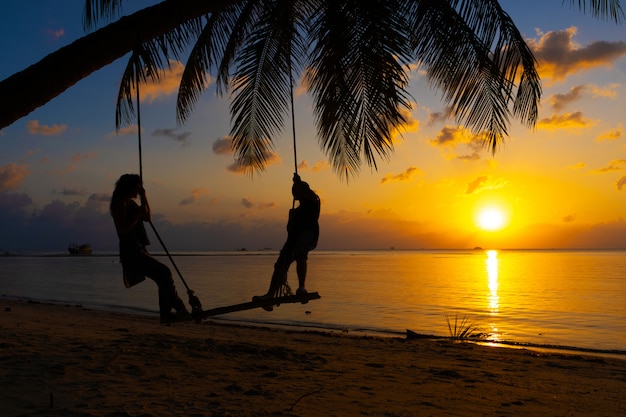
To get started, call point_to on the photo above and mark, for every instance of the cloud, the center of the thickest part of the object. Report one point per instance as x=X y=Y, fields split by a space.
x=560 y=101
x=76 y=159
x=484 y=183
x=559 y=56
x=72 y=192
x=54 y=226
x=475 y=145
x=249 y=204
x=407 y=175
x=170 y=133
x=127 y=131
x=579 y=165
x=438 y=117
x=195 y=194
x=99 y=198
x=12 y=203
x=614 y=165
x=12 y=175
x=239 y=167
x=168 y=83
x=564 y=121
x=605 y=92
x=621 y=183
x=410 y=124
x=610 y=135
x=223 y=146
x=452 y=136
x=55 y=33
x=569 y=218
x=34 y=128
x=320 y=166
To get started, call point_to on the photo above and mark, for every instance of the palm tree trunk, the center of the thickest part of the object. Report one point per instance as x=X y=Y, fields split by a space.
x=33 y=87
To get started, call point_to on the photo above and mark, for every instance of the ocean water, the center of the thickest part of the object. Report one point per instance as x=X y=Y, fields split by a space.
x=565 y=298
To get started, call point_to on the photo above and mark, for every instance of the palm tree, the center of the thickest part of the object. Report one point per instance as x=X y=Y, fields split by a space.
x=353 y=56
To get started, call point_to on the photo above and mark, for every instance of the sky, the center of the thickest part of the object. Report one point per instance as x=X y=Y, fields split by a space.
x=559 y=185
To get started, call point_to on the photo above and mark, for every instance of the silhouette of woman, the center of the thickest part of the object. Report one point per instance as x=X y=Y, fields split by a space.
x=137 y=263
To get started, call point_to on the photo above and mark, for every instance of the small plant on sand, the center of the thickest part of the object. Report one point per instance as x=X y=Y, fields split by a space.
x=462 y=328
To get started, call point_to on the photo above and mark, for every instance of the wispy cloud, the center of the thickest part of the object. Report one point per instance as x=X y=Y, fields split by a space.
x=451 y=138
x=579 y=165
x=610 y=135
x=411 y=124
x=34 y=128
x=249 y=203
x=171 y=134
x=609 y=91
x=437 y=117
x=614 y=165
x=195 y=195
x=12 y=175
x=55 y=33
x=223 y=146
x=559 y=56
x=560 y=101
x=574 y=120
x=72 y=192
x=131 y=130
x=406 y=175
x=484 y=183
x=319 y=166
x=168 y=83
x=99 y=198
x=569 y=218
x=621 y=183
x=76 y=159
x=238 y=167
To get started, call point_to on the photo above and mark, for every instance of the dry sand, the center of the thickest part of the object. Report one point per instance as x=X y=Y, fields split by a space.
x=69 y=361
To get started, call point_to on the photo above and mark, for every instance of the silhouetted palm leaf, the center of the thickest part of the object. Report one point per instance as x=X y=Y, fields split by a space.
x=355 y=56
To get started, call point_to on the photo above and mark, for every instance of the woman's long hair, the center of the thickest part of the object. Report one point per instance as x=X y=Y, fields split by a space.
x=124 y=187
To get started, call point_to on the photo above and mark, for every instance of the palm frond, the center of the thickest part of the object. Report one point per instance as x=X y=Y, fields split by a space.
x=216 y=45
x=94 y=10
x=261 y=85
x=357 y=80
x=474 y=54
x=147 y=62
x=143 y=65
x=602 y=9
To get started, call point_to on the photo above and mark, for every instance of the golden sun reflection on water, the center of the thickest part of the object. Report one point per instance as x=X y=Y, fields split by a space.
x=492 y=277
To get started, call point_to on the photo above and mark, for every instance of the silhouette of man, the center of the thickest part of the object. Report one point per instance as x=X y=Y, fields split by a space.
x=302 y=236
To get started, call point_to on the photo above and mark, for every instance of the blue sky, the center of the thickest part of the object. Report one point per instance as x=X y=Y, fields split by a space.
x=559 y=185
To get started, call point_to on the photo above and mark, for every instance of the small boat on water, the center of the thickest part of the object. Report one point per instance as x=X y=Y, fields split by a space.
x=84 y=249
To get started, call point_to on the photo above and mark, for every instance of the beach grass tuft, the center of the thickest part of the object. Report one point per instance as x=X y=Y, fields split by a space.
x=462 y=328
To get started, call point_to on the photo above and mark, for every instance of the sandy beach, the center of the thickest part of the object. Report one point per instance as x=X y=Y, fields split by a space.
x=69 y=361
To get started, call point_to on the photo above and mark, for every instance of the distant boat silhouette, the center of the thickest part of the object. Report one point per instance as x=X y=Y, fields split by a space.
x=84 y=249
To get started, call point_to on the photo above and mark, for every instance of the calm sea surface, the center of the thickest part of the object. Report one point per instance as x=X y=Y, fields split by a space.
x=553 y=297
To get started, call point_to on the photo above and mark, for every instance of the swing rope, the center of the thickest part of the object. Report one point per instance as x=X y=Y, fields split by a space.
x=293 y=124
x=194 y=301
x=293 y=119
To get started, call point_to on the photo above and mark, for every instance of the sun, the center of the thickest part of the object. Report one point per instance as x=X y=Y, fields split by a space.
x=491 y=219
